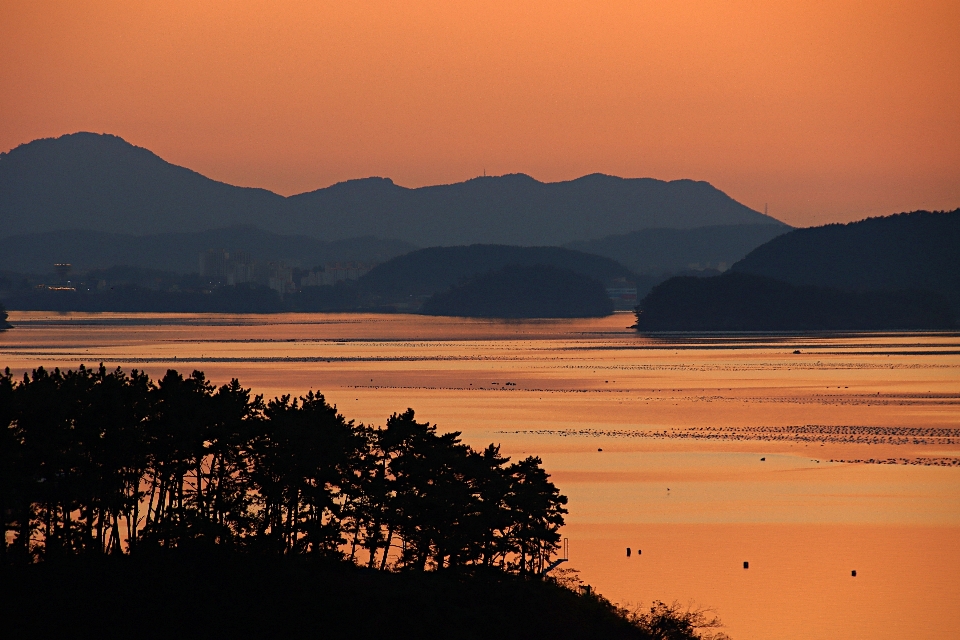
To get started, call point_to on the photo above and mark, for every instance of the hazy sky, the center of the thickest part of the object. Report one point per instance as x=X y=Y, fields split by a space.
x=826 y=110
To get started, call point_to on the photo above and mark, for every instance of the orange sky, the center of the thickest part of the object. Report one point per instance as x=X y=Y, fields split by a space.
x=826 y=110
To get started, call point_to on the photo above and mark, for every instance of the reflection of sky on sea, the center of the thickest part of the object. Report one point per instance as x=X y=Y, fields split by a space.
x=692 y=414
x=698 y=487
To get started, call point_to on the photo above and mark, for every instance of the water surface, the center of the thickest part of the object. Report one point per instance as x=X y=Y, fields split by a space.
x=657 y=441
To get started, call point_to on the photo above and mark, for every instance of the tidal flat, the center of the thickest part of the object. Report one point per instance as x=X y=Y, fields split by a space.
x=809 y=456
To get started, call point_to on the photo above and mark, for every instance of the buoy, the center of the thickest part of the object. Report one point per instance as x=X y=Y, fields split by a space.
x=599 y=449
x=763 y=459
x=628 y=552
x=746 y=565
x=639 y=552
x=854 y=573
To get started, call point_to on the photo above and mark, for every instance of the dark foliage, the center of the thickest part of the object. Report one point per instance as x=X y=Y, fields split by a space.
x=908 y=251
x=537 y=291
x=98 y=462
x=741 y=302
x=101 y=183
x=171 y=595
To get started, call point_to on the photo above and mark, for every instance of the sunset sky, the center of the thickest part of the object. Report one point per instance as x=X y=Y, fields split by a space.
x=828 y=111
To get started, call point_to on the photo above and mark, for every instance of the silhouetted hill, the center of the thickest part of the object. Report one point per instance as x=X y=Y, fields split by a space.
x=919 y=251
x=428 y=271
x=516 y=209
x=655 y=251
x=536 y=291
x=744 y=302
x=179 y=252
x=246 y=597
x=102 y=183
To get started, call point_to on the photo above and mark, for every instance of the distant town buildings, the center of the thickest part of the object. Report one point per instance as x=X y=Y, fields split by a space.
x=334 y=272
x=223 y=267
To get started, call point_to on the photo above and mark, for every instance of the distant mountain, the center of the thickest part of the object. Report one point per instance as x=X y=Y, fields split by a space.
x=536 y=291
x=907 y=251
x=656 y=251
x=518 y=210
x=102 y=183
x=179 y=252
x=428 y=271
x=96 y=182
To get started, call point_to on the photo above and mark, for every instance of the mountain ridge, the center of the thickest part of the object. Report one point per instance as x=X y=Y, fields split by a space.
x=101 y=182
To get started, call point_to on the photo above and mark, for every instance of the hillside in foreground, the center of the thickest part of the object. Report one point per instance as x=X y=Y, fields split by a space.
x=229 y=596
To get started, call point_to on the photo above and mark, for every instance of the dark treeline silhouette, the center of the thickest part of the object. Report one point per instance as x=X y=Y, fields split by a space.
x=97 y=462
x=3 y=319
x=175 y=504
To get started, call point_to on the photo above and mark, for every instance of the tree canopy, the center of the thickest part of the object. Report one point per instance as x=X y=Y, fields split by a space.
x=98 y=462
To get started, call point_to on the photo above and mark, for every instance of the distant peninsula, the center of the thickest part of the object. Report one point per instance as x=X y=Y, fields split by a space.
x=743 y=302
x=899 y=272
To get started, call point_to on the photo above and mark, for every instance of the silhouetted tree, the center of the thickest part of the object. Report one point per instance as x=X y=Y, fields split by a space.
x=299 y=466
x=536 y=509
x=98 y=462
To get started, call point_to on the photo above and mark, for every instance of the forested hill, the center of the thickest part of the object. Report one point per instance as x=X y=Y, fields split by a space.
x=900 y=272
x=536 y=291
x=907 y=251
x=98 y=182
x=429 y=271
x=102 y=183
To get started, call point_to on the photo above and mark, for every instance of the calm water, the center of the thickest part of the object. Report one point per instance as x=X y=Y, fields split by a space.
x=682 y=423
